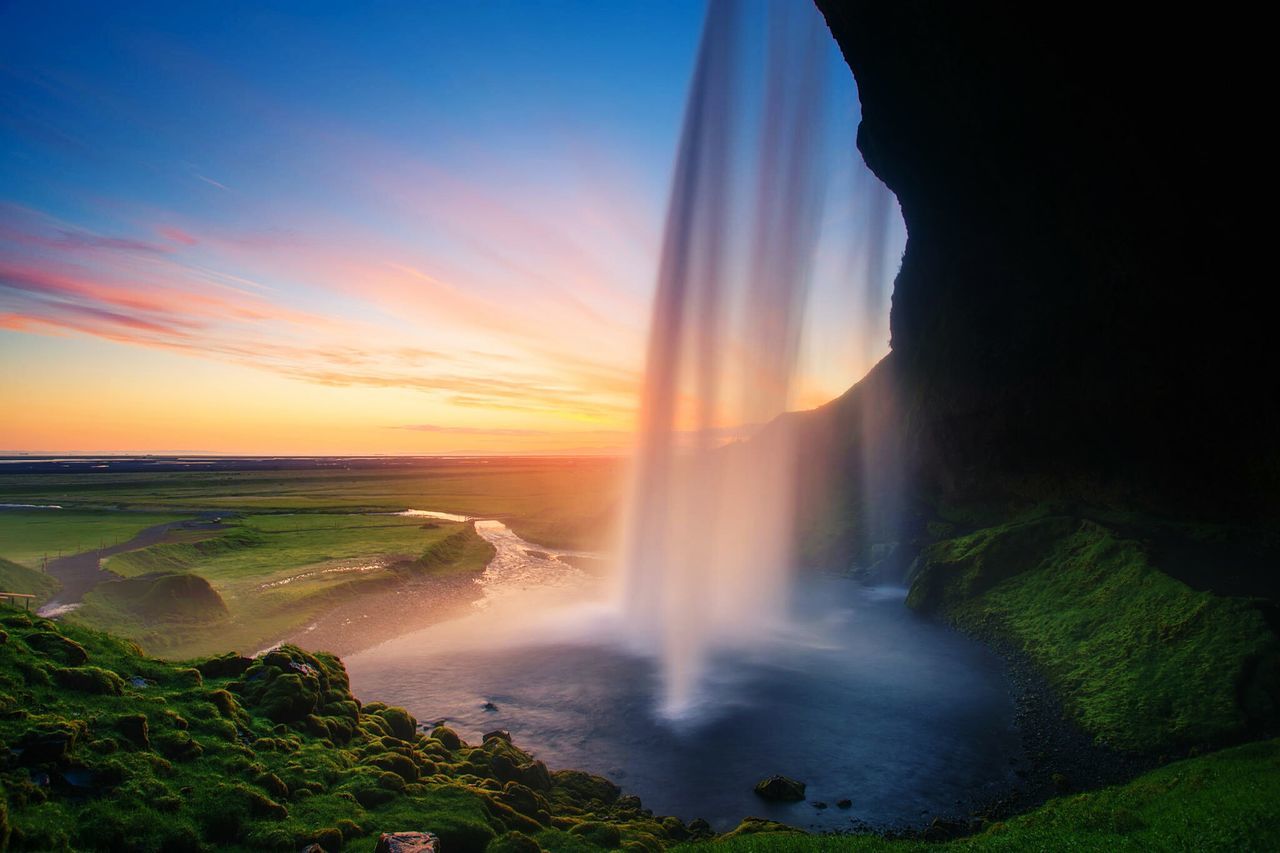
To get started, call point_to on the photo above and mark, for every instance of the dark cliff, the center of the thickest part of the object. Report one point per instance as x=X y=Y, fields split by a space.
x=1079 y=311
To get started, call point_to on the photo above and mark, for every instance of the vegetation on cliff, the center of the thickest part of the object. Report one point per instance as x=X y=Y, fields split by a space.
x=104 y=748
x=1142 y=661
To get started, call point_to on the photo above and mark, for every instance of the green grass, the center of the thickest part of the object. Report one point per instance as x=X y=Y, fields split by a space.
x=1142 y=661
x=28 y=536
x=555 y=502
x=17 y=578
x=1220 y=802
x=274 y=757
x=274 y=573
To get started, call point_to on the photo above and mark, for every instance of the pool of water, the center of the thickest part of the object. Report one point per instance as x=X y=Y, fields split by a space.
x=864 y=702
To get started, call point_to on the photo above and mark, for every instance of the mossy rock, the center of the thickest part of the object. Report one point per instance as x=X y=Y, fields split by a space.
x=513 y=842
x=288 y=684
x=89 y=679
x=600 y=834
x=584 y=788
x=400 y=765
x=177 y=746
x=229 y=665
x=757 y=825
x=446 y=736
x=50 y=742
x=401 y=723
x=135 y=729
x=57 y=647
x=527 y=802
x=780 y=789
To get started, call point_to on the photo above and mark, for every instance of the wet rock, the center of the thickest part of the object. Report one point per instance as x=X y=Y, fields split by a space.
x=489 y=706
x=818 y=804
x=844 y=804
x=500 y=734
x=700 y=829
x=780 y=789
x=407 y=842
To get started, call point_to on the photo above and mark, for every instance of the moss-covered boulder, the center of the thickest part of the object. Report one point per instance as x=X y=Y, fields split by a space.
x=89 y=679
x=288 y=684
x=56 y=647
x=780 y=789
x=513 y=842
x=401 y=722
x=584 y=788
x=135 y=729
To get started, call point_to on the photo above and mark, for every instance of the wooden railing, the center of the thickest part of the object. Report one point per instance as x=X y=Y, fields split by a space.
x=11 y=598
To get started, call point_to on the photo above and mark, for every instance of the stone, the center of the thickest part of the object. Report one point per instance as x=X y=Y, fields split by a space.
x=780 y=789
x=407 y=842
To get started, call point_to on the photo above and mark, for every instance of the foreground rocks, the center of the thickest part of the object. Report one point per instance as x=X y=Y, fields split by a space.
x=407 y=842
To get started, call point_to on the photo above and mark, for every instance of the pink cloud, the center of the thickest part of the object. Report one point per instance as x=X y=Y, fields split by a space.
x=177 y=235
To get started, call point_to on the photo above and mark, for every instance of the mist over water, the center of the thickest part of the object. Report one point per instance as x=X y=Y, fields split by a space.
x=707 y=549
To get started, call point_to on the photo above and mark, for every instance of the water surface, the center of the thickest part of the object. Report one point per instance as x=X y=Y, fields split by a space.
x=866 y=702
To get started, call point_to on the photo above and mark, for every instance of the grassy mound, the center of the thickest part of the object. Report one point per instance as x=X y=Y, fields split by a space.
x=1142 y=661
x=18 y=578
x=106 y=749
x=1225 y=801
x=159 y=598
x=460 y=551
x=182 y=556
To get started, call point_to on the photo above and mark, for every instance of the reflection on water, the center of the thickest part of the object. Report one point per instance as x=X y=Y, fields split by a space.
x=865 y=702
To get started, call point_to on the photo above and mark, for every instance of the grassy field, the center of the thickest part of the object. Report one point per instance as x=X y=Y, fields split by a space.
x=269 y=575
x=555 y=502
x=292 y=542
x=28 y=536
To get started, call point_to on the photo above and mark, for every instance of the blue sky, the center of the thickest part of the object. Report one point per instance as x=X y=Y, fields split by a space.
x=346 y=220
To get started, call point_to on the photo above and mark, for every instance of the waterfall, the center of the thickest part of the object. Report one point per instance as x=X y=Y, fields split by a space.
x=706 y=555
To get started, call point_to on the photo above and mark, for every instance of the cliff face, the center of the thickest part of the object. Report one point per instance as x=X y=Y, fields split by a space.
x=1077 y=314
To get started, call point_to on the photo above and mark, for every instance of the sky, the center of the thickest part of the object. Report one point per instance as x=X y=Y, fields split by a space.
x=310 y=228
